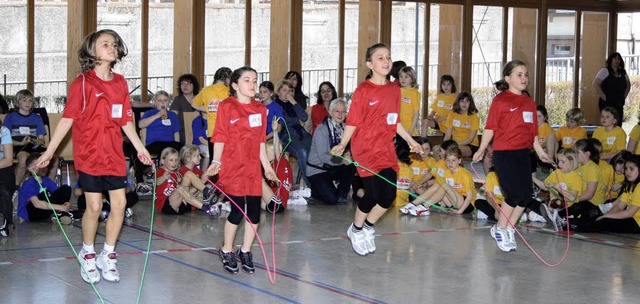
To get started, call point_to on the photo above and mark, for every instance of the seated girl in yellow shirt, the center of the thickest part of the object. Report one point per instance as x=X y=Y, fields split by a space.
x=572 y=132
x=463 y=124
x=612 y=137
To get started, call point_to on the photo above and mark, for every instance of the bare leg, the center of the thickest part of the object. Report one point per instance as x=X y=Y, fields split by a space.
x=116 y=216
x=90 y=217
x=22 y=167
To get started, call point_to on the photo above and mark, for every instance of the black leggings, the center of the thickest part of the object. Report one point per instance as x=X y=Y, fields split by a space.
x=378 y=191
x=486 y=208
x=584 y=210
x=249 y=204
x=628 y=225
x=7 y=187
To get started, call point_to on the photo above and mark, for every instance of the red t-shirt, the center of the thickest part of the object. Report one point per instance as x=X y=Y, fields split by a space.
x=241 y=127
x=374 y=112
x=99 y=110
x=165 y=189
x=318 y=114
x=514 y=121
x=183 y=170
x=284 y=173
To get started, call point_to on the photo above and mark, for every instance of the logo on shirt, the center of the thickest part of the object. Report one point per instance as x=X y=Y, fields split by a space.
x=234 y=120
x=373 y=102
x=513 y=109
x=99 y=94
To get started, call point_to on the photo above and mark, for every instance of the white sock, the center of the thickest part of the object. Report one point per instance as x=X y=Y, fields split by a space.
x=88 y=248
x=108 y=248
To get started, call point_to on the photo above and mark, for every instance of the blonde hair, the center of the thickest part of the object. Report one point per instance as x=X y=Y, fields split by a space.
x=163 y=93
x=409 y=71
x=576 y=115
x=187 y=152
x=571 y=155
x=168 y=151
x=282 y=83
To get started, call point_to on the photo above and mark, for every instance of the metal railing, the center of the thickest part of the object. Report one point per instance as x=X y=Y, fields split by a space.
x=53 y=93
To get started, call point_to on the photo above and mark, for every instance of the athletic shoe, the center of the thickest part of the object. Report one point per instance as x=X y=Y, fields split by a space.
x=534 y=217
x=370 y=238
x=107 y=262
x=207 y=194
x=549 y=216
x=229 y=262
x=128 y=213
x=305 y=192
x=481 y=215
x=406 y=208
x=511 y=232
x=143 y=189
x=14 y=198
x=419 y=210
x=4 y=229
x=502 y=238
x=560 y=222
x=88 y=270
x=604 y=208
x=213 y=211
x=64 y=217
x=226 y=207
x=104 y=214
x=246 y=259
x=523 y=218
x=358 y=242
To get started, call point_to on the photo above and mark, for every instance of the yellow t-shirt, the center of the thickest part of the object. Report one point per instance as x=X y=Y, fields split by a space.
x=543 y=131
x=568 y=182
x=590 y=172
x=617 y=179
x=408 y=107
x=606 y=171
x=568 y=137
x=210 y=97
x=461 y=126
x=493 y=186
x=461 y=181
x=633 y=199
x=612 y=141
x=421 y=167
x=405 y=176
x=443 y=106
x=440 y=170
x=635 y=135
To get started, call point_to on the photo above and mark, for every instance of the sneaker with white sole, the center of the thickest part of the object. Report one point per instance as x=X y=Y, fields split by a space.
x=523 y=218
x=419 y=210
x=88 y=270
x=560 y=222
x=502 y=238
x=405 y=209
x=511 y=232
x=4 y=228
x=481 y=215
x=549 y=216
x=534 y=217
x=370 y=238
x=128 y=213
x=229 y=262
x=246 y=260
x=358 y=240
x=107 y=263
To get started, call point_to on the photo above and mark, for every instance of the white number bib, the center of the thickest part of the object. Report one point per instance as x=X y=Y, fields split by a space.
x=116 y=111
x=611 y=140
x=255 y=120
x=392 y=118
x=527 y=116
x=456 y=123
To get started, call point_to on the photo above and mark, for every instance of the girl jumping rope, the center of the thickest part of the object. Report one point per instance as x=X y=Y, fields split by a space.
x=239 y=150
x=97 y=108
x=373 y=117
x=513 y=126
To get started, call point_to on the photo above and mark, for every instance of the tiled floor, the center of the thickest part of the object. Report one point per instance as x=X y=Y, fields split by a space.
x=434 y=259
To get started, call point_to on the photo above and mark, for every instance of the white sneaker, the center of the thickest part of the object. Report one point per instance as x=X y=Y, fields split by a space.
x=549 y=216
x=419 y=210
x=128 y=213
x=296 y=200
x=88 y=270
x=358 y=242
x=511 y=232
x=604 y=208
x=406 y=208
x=370 y=238
x=305 y=192
x=502 y=238
x=523 y=218
x=534 y=217
x=481 y=216
x=107 y=263
x=226 y=207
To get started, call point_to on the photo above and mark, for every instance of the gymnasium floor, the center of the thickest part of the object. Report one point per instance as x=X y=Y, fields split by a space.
x=434 y=259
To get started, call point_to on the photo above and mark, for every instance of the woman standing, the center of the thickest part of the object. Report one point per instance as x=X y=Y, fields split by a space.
x=612 y=84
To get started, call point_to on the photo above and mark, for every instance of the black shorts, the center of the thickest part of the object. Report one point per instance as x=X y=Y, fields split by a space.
x=29 y=148
x=97 y=184
x=167 y=209
x=474 y=149
x=513 y=168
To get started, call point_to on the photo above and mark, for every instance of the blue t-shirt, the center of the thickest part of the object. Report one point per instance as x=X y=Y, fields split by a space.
x=24 y=125
x=273 y=110
x=199 y=128
x=161 y=129
x=5 y=139
x=29 y=189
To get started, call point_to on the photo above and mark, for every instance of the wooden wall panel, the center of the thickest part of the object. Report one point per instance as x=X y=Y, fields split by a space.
x=198 y=36
x=182 y=39
x=594 y=55
x=279 y=40
x=450 y=41
x=523 y=44
x=368 y=32
x=295 y=43
x=81 y=17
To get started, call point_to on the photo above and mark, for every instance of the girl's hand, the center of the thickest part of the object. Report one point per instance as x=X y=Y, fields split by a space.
x=338 y=149
x=145 y=157
x=274 y=125
x=43 y=160
x=162 y=113
x=292 y=100
x=270 y=174
x=478 y=156
x=214 y=168
x=416 y=147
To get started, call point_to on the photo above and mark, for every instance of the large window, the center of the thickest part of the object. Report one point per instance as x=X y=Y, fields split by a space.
x=351 y=80
x=125 y=19
x=224 y=38
x=260 y=32
x=161 y=47
x=13 y=54
x=561 y=38
x=50 y=55
x=629 y=47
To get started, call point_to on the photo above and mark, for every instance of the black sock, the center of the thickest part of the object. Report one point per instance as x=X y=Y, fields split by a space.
x=367 y=224
x=356 y=228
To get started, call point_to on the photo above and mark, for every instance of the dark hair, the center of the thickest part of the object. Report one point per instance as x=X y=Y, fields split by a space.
x=627 y=185
x=190 y=78
x=453 y=150
x=402 y=150
x=395 y=69
x=4 y=106
x=613 y=112
x=502 y=85
x=235 y=76
x=543 y=110
x=472 y=105
x=334 y=93
x=267 y=84
x=586 y=145
x=445 y=145
x=298 y=87
x=31 y=158
x=222 y=74
x=370 y=50
x=620 y=67
x=620 y=158
x=450 y=79
x=87 y=52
